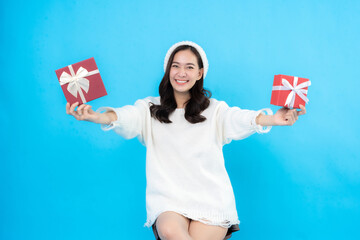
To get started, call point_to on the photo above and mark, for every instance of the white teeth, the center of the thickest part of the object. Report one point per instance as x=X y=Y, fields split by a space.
x=181 y=81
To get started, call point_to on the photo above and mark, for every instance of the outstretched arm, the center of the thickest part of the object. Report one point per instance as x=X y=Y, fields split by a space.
x=85 y=113
x=283 y=117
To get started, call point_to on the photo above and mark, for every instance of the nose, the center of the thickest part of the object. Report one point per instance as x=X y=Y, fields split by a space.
x=182 y=72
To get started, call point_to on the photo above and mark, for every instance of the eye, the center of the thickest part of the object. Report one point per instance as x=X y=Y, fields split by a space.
x=190 y=68
x=175 y=66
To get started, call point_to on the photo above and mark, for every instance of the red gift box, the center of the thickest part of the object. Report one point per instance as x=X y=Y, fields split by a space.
x=81 y=82
x=289 y=91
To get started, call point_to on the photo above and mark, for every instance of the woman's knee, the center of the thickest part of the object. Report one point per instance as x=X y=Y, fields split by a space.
x=169 y=231
x=172 y=226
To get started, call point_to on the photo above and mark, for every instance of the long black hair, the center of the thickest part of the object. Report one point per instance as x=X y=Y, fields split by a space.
x=199 y=97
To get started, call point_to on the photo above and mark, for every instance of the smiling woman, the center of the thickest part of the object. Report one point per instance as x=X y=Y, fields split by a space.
x=189 y=194
x=184 y=73
x=182 y=85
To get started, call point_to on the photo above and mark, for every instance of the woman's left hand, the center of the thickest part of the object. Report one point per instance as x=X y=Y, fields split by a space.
x=287 y=117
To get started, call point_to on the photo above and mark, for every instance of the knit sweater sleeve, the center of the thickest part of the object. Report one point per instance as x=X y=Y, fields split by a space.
x=235 y=123
x=131 y=120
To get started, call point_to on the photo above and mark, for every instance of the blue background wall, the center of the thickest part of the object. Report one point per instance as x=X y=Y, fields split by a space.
x=64 y=179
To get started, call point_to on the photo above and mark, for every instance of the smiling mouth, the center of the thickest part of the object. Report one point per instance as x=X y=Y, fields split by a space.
x=181 y=81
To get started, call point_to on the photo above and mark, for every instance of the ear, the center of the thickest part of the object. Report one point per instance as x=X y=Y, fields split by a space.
x=201 y=72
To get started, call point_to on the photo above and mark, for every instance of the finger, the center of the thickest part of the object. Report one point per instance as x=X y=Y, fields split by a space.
x=295 y=115
x=84 y=112
x=67 y=108
x=72 y=108
x=303 y=110
x=291 y=120
x=87 y=109
x=80 y=109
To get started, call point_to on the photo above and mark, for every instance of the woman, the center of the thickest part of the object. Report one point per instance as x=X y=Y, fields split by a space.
x=188 y=194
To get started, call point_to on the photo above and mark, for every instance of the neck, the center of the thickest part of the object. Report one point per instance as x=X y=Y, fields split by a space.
x=181 y=99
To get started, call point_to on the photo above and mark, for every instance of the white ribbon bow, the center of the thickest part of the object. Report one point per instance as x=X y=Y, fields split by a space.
x=77 y=81
x=295 y=90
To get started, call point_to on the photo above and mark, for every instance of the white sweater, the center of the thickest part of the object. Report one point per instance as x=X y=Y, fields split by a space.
x=185 y=168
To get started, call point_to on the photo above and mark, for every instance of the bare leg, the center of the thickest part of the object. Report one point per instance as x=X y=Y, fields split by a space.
x=201 y=231
x=173 y=226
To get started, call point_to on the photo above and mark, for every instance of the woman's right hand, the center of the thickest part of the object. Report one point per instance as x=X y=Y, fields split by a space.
x=83 y=113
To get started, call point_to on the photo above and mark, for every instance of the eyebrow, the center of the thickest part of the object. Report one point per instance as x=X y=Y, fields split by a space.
x=186 y=63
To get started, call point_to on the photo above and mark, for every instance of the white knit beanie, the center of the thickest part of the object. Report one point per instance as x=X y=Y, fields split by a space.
x=197 y=47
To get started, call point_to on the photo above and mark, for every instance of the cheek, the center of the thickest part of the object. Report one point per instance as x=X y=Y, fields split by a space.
x=195 y=76
x=172 y=74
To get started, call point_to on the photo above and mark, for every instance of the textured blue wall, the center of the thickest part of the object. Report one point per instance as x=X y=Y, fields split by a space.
x=64 y=179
